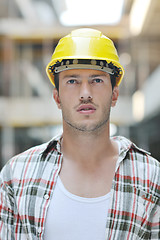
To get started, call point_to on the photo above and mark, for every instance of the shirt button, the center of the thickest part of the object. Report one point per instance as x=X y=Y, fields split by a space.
x=39 y=232
x=46 y=196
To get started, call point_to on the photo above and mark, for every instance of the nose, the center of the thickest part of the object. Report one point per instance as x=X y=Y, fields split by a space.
x=85 y=91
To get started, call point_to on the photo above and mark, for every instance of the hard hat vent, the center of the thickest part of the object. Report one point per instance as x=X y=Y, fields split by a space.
x=86 y=32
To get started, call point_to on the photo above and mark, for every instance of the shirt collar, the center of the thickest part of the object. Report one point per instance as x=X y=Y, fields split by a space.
x=125 y=144
x=56 y=142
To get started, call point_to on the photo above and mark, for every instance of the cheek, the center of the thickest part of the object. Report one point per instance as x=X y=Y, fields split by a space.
x=66 y=101
x=102 y=96
x=68 y=95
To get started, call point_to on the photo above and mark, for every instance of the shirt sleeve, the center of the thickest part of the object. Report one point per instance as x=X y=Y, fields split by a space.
x=7 y=217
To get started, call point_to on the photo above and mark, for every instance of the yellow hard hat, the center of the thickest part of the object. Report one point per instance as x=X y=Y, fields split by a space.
x=84 y=43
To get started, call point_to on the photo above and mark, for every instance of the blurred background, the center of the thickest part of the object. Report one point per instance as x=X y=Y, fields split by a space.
x=29 y=32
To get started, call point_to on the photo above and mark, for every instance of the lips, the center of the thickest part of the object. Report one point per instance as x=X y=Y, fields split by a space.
x=86 y=109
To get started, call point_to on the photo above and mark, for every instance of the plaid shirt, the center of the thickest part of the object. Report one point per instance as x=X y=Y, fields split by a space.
x=27 y=185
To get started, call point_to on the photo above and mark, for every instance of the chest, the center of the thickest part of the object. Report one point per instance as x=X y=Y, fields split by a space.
x=128 y=202
x=73 y=217
x=88 y=181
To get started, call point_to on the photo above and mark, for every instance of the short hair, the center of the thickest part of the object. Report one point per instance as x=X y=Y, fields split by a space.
x=56 y=81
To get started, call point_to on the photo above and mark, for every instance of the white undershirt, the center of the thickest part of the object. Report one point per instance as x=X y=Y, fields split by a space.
x=71 y=217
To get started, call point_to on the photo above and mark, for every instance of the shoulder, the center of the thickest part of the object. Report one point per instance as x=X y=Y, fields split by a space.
x=33 y=158
x=136 y=153
x=146 y=170
x=143 y=157
x=143 y=169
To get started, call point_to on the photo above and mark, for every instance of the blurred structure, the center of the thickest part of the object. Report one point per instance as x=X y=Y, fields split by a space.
x=29 y=31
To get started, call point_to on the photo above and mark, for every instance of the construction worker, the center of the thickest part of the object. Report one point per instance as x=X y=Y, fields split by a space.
x=82 y=184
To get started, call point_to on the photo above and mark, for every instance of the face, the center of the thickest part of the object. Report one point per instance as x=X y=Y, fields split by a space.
x=85 y=98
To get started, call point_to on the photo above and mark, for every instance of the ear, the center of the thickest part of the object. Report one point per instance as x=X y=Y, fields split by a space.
x=115 y=95
x=56 y=98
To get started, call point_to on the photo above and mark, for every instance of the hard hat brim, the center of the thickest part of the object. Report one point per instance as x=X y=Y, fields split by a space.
x=50 y=74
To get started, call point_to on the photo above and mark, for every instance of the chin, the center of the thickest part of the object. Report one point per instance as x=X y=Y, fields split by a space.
x=89 y=127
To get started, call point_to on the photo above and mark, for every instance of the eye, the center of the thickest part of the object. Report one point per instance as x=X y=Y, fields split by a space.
x=71 y=81
x=97 y=80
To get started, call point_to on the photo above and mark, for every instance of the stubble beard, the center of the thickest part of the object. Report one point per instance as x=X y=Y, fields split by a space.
x=87 y=128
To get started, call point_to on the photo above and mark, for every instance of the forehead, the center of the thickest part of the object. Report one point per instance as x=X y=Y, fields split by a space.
x=82 y=73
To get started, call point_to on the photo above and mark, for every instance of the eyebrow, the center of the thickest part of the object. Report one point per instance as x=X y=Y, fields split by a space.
x=97 y=75
x=71 y=76
x=78 y=75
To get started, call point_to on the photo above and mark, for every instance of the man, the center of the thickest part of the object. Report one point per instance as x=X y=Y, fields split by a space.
x=83 y=184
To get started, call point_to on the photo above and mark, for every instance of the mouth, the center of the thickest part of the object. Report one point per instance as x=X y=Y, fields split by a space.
x=86 y=109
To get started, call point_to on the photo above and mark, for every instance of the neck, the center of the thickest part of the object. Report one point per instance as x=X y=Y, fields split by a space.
x=91 y=146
